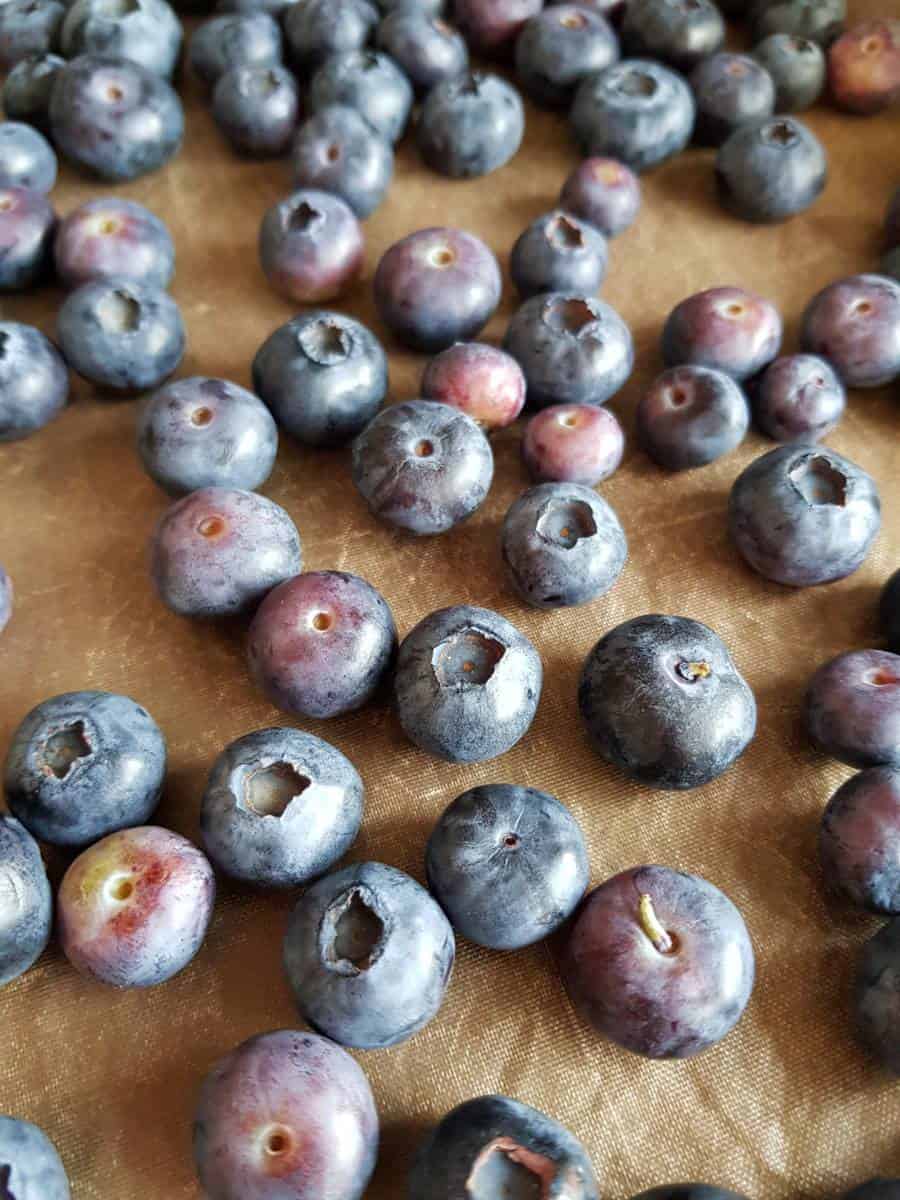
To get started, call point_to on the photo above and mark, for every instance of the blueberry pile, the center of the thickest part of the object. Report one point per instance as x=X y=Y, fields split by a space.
x=656 y=960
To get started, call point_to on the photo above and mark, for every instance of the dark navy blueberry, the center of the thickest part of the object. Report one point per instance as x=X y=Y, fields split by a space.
x=855 y=324
x=798 y=399
x=336 y=150
x=316 y=29
x=6 y=599
x=197 y=433
x=34 y=381
x=368 y=955
x=234 y=40
x=28 y=27
x=690 y=416
x=604 y=192
x=114 y=118
x=507 y=865
x=26 y=904
x=797 y=67
x=679 y=32
x=890 y=264
x=562 y=545
x=467 y=684
x=819 y=20
x=801 y=515
x=889 y=612
x=256 y=109
x=470 y=125
x=690 y=1191
x=144 y=31
x=26 y=158
x=111 y=238
x=423 y=466
x=852 y=708
x=877 y=998
x=423 y=46
x=34 y=1170
x=662 y=699
x=573 y=349
x=859 y=840
x=323 y=375
x=730 y=90
x=27 y=90
x=637 y=111
x=82 y=765
x=558 y=253
x=122 y=336
x=27 y=225
x=558 y=47
x=371 y=83
x=280 y=808
x=501 y=1147
x=771 y=170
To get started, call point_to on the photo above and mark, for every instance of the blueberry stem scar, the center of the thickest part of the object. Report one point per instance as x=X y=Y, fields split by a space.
x=651 y=926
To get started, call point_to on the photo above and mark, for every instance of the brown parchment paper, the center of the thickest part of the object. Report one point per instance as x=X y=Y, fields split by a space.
x=787 y=1105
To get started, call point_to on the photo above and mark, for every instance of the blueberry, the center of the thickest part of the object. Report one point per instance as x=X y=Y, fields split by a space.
x=852 y=708
x=436 y=287
x=604 y=192
x=725 y=328
x=798 y=399
x=144 y=31
x=482 y=381
x=114 y=118
x=32 y=1166
x=875 y=1189
x=558 y=48
x=890 y=264
x=679 y=32
x=558 y=253
x=286 y=1111
x=494 y=1147
x=797 y=68
x=28 y=27
x=322 y=644
x=877 y=996
x=311 y=246
x=660 y=962
x=690 y=416
x=133 y=909
x=337 y=150
x=819 y=20
x=562 y=545
x=690 y=1191
x=323 y=375
x=220 y=550
x=6 y=599
x=234 y=40
x=855 y=324
x=573 y=349
x=422 y=466
x=317 y=29
x=889 y=611
x=892 y=222
x=201 y=433
x=637 y=111
x=114 y=239
x=34 y=381
x=280 y=808
x=82 y=765
x=428 y=8
x=424 y=46
x=467 y=684
x=663 y=700
x=803 y=516
x=26 y=158
x=730 y=90
x=26 y=92
x=771 y=170
x=368 y=955
x=371 y=83
x=26 y=905
x=492 y=27
x=256 y=108
x=122 y=336
x=859 y=840
x=27 y=225
x=572 y=443
x=470 y=125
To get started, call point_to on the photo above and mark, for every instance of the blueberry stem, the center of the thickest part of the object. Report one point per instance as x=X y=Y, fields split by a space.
x=651 y=926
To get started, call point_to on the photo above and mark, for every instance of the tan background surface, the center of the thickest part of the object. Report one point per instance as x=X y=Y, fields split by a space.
x=787 y=1105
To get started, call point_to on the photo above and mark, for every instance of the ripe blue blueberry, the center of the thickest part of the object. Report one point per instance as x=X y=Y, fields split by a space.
x=112 y=238
x=470 y=125
x=560 y=46
x=859 y=840
x=368 y=955
x=855 y=324
x=316 y=29
x=26 y=92
x=467 y=684
x=82 y=765
x=337 y=150
x=26 y=903
x=558 y=252
x=690 y=416
x=730 y=90
x=28 y=27
x=852 y=708
x=26 y=158
x=889 y=612
x=234 y=40
x=877 y=996
x=30 y=1160
x=797 y=67
x=311 y=246
x=426 y=48
x=678 y=32
x=725 y=328
x=280 y=808
x=371 y=83
x=144 y=31
x=34 y=381
x=798 y=399
x=27 y=224
x=256 y=108
x=771 y=170
x=819 y=20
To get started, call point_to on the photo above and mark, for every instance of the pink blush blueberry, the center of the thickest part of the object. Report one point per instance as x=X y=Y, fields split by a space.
x=726 y=328
x=114 y=237
x=864 y=67
x=604 y=192
x=855 y=324
x=482 y=381
x=311 y=246
x=572 y=443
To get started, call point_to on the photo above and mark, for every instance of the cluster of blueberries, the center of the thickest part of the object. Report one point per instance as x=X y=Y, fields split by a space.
x=656 y=960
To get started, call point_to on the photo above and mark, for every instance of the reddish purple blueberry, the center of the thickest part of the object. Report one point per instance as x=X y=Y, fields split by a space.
x=852 y=708
x=690 y=416
x=34 y=381
x=311 y=247
x=864 y=67
x=660 y=962
x=889 y=612
x=26 y=92
x=256 y=108
x=558 y=253
x=558 y=47
x=26 y=903
x=317 y=29
x=27 y=224
x=798 y=399
x=286 y=1114
x=730 y=90
x=859 y=841
x=482 y=381
x=26 y=157
x=322 y=644
x=572 y=443
x=877 y=996
x=492 y=26
x=28 y=27
x=6 y=599
x=770 y=170
x=337 y=150
x=725 y=328
x=111 y=237
x=425 y=47
x=855 y=324
x=470 y=125
x=31 y=1167
x=143 y=31
x=234 y=40
x=604 y=192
